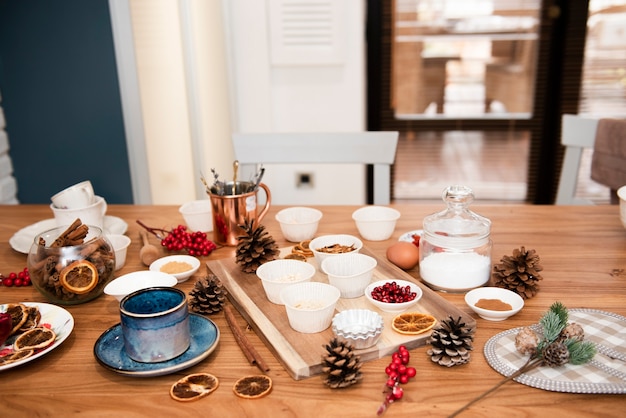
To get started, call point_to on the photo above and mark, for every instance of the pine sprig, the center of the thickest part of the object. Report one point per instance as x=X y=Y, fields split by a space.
x=580 y=352
x=552 y=326
x=553 y=323
x=560 y=309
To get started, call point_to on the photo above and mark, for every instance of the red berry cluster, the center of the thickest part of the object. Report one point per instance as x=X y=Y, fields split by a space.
x=195 y=243
x=16 y=279
x=391 y=292
x=397 y=373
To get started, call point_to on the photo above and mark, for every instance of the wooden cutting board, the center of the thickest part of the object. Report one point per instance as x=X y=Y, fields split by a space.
x=301 y=353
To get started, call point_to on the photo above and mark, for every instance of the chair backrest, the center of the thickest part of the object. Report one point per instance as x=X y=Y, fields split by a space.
x=375 y=148
x=577 y=133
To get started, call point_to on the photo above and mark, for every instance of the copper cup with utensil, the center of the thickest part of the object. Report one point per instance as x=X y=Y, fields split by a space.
x=233 y=204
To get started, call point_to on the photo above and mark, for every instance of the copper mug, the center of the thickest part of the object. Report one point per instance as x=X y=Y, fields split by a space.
x=234 y=205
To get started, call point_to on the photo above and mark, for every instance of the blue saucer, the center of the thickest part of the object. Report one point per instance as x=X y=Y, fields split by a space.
x=109 y=350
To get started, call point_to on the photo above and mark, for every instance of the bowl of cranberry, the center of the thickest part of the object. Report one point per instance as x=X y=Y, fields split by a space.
x=393 y=296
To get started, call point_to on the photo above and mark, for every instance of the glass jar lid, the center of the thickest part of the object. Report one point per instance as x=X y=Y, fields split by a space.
x=457 y=225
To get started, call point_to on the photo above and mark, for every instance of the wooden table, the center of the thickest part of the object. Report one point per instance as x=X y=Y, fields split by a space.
x=582 y=248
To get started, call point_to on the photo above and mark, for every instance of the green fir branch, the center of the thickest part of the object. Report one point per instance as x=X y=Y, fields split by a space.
x=560 y=309
x=552 y=325
x=580 y=352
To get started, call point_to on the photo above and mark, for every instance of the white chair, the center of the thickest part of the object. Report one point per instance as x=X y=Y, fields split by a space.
x=577 y=133
x=376 y=148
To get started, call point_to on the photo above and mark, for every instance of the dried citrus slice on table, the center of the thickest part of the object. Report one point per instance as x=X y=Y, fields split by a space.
x=252 y=387
x=194 y=386
x=412 y=323
x=34 y=338
x=79 y=277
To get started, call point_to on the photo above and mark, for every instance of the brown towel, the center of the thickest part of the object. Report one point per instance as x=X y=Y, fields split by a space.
x=608 y=164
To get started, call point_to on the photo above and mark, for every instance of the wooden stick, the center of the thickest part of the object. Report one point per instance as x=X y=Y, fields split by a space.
x=248 y=349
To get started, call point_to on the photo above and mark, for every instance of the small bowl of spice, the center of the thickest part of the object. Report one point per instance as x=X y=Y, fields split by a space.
x=494 y=303
x=180 y=266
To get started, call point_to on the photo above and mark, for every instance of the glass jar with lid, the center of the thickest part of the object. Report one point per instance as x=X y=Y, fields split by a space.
x=455 y=247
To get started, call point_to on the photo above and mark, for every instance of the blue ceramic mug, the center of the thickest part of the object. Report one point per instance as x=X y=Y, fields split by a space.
x=155 y=324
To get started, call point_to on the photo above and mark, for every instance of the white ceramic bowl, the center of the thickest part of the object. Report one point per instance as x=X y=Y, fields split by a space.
x=350 y=274
x=393 y=307
x=327 y=240
x=310 y=305
x=120 y=245
x=360 y=327
x=128 y=283
x=198 y=215
x=507 y=296
x=376 y=223
x=172 y=264
x=298 y=223
x=278 y=274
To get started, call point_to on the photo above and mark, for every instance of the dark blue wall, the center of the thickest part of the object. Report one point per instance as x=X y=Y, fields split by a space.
x=61 y=99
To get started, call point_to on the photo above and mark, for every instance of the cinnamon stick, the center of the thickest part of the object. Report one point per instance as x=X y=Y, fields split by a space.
x=248 y=349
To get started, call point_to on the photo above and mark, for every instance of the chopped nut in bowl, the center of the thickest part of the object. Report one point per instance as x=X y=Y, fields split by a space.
x=334 y=246
x=360 y=327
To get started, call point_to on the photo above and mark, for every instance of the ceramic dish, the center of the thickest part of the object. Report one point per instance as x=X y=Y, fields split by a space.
x=408 y=236
x=393 y=307
x=110 y=353
x=23 y=239
x=61 y=322
x=160 y=264
x=490 y=293
x=137 y=280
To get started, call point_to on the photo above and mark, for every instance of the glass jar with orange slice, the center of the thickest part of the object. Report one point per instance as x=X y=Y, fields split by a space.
x=71 y=271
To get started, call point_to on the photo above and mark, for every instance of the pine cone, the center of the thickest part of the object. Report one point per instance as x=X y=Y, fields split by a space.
x=519 y=273
x=556 y=354
x=526 y=341
x=255 y=248
x=341 y=366
x=207 y=295
x=451 y=343
x=572 y=331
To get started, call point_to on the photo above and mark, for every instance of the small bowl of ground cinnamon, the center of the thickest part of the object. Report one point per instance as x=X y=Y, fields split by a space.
x=494 y=303
x=180 y=266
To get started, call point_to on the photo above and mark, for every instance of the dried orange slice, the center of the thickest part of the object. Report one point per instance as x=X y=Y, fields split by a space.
x=413 y=323
x=32 y=320
x=19 y=315
x=252 y=387
x=35 y=338
x=79 y=277
x=194 y=386
x=295 y=256
x=16 y=356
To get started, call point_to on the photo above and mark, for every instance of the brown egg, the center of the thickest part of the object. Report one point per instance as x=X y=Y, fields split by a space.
x=403 y=254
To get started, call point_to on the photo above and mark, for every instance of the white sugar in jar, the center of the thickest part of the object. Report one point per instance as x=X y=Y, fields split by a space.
x=455 y=248
x=455 y=271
